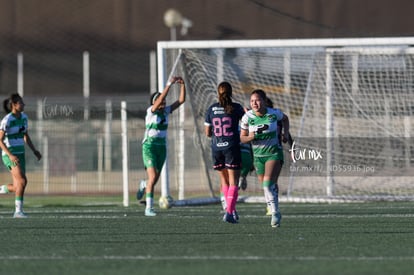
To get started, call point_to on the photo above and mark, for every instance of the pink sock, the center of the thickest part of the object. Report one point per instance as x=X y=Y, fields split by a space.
x=231 y=199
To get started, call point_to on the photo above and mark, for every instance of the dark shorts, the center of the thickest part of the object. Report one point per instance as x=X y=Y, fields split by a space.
x=229 y=158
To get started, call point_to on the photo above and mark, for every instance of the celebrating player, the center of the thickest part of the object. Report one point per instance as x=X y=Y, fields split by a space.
x=222 y=125
x=154 y=149
x=13 y=135
x=259 y=126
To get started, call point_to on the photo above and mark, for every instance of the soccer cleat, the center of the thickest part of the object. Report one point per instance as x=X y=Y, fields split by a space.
x=19 y=215
x=276 y=218
x=230 y=218
x=149 y=212
x=141 y=189
x=236 y=215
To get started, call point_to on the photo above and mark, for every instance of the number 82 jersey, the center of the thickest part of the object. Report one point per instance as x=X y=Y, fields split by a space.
x=224 y=127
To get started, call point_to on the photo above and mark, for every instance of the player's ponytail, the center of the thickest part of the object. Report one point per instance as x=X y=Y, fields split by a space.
x=225 y=92
x=6 y=105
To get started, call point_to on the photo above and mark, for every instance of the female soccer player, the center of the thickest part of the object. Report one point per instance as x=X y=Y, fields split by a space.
x=260 y=127
x=13 y=135
x=154 y=149
x=222 y=125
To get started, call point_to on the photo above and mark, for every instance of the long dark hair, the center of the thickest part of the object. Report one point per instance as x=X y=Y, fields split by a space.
x=225 y=92
x=7 y=103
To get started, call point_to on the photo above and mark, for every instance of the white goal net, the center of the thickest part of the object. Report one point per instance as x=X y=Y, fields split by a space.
x=350 y=103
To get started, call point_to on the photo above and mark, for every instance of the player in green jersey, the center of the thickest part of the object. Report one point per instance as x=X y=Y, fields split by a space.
x=154 y=149
x=13 y=136
x=259 y=126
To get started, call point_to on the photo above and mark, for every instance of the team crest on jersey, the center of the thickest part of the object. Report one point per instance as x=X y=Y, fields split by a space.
x=272 y=118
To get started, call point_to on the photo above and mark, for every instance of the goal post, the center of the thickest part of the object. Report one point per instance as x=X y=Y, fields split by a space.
x=350 y=103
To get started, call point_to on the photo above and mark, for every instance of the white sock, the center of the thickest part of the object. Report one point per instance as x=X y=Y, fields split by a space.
x=19 y=204
x=149 y=202
x=272 y=198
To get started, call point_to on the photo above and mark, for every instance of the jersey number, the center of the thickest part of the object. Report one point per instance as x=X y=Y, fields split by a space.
x=222 y=126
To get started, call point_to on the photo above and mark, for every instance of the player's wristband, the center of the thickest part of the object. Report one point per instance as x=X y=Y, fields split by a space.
x=169 y=83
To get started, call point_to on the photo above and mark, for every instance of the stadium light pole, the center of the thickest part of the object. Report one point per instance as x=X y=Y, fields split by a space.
x=172 y=19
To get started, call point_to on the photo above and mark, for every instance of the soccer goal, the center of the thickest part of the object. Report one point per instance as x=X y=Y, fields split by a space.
x=350 y=103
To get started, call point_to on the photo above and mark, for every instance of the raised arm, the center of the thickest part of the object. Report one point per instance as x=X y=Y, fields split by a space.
x=181 y=98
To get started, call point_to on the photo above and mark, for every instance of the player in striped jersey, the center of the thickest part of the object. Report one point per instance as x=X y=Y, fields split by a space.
x=13 y=136
x=154 y=149
x=259 y=126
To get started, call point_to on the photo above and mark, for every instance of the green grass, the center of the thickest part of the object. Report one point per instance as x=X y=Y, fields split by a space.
x=59 y=238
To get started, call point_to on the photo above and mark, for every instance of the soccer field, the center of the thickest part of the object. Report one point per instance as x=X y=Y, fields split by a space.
x=60 y=238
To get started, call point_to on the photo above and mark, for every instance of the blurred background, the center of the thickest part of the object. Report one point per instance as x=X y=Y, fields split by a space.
x=119 y=35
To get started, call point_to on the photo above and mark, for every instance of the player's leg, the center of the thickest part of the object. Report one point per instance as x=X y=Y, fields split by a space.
x=259 y=164
x=19 y=186
x=219 y=166
x=233 y=165
x=232 y=194
x=154 y=157
x=224 y=187
x=247 y=163
x=152 y=178
x=7 y=188
x=272 y=171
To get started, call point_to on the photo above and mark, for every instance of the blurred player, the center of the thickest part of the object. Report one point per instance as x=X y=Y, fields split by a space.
x=154 y=149
x=247 y=164
x=13 y=136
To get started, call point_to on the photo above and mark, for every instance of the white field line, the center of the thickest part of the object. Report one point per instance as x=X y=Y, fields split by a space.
x=197 y=211
x=259 y=216
x=205 y=258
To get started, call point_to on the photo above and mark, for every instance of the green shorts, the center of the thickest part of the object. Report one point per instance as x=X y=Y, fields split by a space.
x=260 y=162
x=9 y=164
x=154 y=155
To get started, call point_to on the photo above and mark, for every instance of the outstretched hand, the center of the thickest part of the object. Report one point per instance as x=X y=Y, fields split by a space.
x=177 y=79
